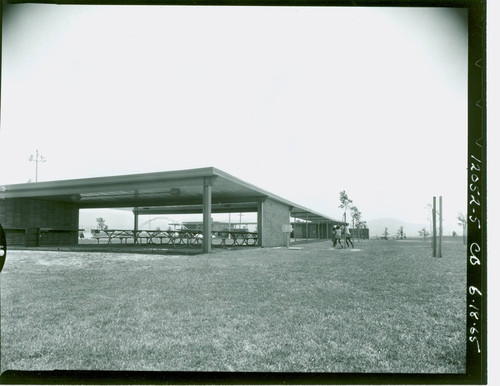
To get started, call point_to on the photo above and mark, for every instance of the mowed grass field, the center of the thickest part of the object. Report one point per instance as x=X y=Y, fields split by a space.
x=386 y=306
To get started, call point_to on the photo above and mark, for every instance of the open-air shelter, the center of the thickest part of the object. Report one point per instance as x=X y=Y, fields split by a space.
x=54 y=206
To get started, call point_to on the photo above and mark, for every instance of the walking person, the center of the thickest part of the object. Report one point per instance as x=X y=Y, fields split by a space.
x=348 y=239
x=336 y=234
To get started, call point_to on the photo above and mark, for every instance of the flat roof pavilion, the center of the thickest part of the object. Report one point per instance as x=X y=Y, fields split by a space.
x=204 y=190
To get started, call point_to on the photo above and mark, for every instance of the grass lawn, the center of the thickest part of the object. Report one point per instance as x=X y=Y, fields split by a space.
x=386 y=306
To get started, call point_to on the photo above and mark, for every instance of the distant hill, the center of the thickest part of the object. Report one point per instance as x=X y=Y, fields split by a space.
x=378 y=225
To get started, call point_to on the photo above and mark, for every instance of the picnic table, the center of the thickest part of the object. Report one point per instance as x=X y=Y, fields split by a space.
x=184 y=237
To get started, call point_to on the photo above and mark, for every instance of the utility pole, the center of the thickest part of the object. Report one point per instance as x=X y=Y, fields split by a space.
x=38 y=158
x=434 y=226
x=440 y=225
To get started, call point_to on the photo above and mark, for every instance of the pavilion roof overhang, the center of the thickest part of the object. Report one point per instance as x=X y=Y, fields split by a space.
x=170 y=192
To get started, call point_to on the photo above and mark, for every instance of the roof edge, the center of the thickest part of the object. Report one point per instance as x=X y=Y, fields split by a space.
x=139 y=177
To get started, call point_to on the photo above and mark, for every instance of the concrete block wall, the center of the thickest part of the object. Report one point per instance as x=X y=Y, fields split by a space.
x=274 y=216
x=21 y=217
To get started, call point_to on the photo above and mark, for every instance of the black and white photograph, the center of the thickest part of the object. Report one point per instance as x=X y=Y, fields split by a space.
x=265 y=190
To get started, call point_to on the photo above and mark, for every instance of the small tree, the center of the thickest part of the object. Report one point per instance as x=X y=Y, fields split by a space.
x=462 y=221
x=385 y=234
x=423 y=233
x=100 y=223
x=345 y=203
x=400 y=234
x=356 y=217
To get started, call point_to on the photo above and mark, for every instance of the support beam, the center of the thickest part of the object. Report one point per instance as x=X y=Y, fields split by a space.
x=249 y=207
x=260 y=221
x=77 y=234
x=307 y=227
x=295 y=228
x=207 y=216
x=136 y=224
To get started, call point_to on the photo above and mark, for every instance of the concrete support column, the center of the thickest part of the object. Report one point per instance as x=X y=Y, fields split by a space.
x=77 y=233
x=136 y=224
x=260 y=221
x=207 y=216
x=307 y=227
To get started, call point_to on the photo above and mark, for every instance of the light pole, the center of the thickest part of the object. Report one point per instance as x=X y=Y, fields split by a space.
x=38 y=158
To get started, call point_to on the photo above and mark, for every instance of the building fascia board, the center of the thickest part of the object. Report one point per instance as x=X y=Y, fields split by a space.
x=105 y=184
x=46 y=190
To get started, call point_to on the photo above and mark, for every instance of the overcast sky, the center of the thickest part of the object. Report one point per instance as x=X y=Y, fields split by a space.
x=303 y=102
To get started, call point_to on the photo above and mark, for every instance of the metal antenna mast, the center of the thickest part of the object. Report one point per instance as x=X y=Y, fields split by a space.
x=38 y=158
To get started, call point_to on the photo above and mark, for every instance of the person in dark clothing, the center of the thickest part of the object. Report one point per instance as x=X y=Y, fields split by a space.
x=348 y=239
x=336 y=234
